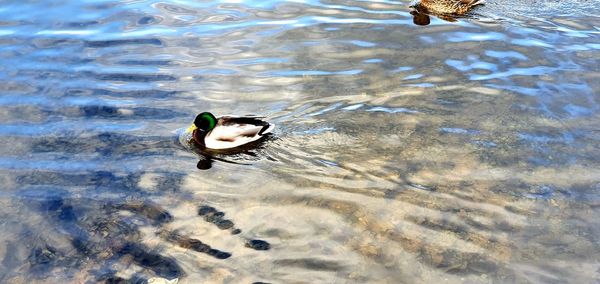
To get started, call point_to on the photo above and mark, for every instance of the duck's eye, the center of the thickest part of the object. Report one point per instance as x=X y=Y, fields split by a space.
x=204 y=124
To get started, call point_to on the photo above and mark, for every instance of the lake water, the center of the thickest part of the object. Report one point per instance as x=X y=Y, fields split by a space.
x=461 y=151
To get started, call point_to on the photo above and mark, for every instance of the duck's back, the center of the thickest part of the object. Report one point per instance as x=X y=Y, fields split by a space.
x=450 y=6
x=232 y=132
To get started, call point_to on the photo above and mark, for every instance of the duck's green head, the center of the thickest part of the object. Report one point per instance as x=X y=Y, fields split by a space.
x=205 y=122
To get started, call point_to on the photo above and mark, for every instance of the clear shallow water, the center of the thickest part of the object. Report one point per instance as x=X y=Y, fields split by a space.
x=463 y=151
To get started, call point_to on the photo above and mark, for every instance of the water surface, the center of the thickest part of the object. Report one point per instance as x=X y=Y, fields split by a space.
x=458 y=151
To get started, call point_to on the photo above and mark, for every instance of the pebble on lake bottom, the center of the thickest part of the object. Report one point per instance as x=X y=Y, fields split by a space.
x=258 y=244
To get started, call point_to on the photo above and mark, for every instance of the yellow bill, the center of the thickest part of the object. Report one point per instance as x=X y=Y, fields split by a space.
x=191 y=128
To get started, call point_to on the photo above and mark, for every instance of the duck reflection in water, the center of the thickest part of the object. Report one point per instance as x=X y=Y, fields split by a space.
x=240 y=156
x=447 y=10
x=235 y=136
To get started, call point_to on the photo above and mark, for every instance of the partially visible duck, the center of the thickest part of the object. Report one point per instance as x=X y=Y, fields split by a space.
x=228 y=132
x=447 y=7
x=421 y=19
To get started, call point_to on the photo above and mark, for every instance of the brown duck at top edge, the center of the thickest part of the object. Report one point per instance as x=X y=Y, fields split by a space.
x=455 y=7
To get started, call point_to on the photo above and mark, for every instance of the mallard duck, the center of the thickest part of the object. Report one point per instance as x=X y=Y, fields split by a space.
x=448 y=7
x=228 y=132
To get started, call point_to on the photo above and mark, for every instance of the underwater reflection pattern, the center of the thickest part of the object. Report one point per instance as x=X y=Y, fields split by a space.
x=457 y=151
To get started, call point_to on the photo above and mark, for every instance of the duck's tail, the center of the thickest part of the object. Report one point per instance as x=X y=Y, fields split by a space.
x=267 y=128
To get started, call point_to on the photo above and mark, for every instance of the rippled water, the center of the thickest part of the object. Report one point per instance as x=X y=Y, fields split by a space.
x=458 y=151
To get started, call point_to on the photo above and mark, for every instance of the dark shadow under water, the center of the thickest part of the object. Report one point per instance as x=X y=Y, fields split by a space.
x=97 y=230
